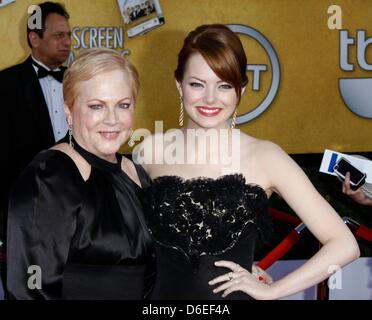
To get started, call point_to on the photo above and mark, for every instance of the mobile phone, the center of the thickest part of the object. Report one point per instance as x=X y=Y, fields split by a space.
x=357 y=177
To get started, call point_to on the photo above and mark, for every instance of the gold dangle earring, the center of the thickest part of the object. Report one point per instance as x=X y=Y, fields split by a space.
x=180 y=118
x=233 y=119
x=131 y=142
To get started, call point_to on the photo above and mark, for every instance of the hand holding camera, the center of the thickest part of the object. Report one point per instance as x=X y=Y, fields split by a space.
x=361 y=195
x=354 y=182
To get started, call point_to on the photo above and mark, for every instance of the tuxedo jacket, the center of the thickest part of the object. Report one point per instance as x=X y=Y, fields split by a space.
x=25 y=128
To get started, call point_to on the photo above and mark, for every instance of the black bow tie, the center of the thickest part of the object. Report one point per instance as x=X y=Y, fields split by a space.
x=56 y=74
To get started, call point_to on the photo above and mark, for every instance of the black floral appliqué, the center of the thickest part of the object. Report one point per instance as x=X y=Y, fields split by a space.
x=204 y=216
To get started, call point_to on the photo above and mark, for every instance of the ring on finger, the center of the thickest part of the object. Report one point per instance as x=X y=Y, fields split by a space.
x=230 y=276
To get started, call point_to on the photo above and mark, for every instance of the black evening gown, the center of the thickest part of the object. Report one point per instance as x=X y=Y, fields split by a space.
x=198 y=221
x=88 y=238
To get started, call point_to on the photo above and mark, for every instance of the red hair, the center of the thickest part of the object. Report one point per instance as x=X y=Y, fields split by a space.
x=222 y=50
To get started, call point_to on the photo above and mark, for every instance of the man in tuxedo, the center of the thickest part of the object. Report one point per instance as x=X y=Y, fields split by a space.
x=31 y=100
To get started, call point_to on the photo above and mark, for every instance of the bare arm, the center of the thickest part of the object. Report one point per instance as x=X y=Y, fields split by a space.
x=339 y=245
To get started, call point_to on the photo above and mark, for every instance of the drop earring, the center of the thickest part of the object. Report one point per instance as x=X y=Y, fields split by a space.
x=131 y=142
x=70 y=141
x=233 y=120
x=180 y=118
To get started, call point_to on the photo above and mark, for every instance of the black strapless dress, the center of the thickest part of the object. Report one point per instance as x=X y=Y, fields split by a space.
x=89 y=238
x=198 y=221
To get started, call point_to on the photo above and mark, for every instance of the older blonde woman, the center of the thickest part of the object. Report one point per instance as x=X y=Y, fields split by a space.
x=76 y=227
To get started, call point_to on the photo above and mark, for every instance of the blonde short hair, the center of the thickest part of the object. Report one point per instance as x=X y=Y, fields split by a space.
x=92 y=62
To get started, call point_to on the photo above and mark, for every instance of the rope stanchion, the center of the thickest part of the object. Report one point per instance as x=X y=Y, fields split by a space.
x=282 y=248
x=360 y=231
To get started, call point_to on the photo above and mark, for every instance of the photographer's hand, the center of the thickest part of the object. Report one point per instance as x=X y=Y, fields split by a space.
x=357 y=195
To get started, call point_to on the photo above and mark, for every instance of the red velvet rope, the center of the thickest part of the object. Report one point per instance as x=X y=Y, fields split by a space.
x=283 y=247
x=364 y=233
x=285 y=217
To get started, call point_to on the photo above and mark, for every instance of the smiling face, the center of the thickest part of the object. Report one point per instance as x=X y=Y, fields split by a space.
x=208 y=100
x=102 y=113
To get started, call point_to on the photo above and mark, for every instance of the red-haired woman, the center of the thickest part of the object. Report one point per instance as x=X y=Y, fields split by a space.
x=208 y=200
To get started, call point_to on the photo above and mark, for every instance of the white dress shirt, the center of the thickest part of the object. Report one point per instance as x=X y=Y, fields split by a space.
x=53 y=94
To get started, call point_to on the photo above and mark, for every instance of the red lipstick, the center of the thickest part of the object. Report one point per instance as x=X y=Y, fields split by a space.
x=208 y=111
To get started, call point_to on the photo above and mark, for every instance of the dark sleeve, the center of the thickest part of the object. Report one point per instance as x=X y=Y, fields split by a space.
x=5 y=105
x=42 y=215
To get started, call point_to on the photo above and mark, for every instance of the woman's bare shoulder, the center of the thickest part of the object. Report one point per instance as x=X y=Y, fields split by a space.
x=258 y=146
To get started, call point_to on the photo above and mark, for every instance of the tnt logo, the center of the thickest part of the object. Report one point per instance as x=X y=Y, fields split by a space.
x=355 y=92
x=263 y=73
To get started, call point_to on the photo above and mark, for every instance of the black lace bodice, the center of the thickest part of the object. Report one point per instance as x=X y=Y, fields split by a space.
x=205 y=216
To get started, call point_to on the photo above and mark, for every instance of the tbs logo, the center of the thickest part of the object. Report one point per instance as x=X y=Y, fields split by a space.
x=355 y=92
